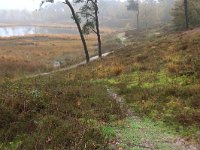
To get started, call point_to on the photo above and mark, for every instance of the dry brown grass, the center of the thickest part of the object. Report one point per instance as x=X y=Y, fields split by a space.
x=37 y=53
x=43 y=108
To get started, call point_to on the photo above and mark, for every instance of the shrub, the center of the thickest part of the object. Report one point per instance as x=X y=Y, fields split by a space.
x=179 y=16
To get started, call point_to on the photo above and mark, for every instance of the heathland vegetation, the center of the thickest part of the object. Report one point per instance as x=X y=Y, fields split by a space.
x=143 y=95
x=158 y=77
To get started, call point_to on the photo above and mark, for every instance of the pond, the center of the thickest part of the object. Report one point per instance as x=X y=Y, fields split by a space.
x=26 y=30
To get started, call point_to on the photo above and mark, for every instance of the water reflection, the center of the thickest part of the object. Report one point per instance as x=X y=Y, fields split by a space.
x=25 y=30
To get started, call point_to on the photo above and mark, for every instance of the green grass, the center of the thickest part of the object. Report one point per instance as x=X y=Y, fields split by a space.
x=159 y=79
x=161 y=96
x=136 y=134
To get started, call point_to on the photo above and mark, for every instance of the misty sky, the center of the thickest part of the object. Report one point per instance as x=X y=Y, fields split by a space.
x=21 y=4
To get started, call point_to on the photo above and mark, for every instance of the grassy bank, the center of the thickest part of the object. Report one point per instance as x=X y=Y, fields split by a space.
x=158 y=77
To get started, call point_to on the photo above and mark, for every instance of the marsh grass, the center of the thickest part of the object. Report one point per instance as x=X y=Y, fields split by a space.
x=32 y=54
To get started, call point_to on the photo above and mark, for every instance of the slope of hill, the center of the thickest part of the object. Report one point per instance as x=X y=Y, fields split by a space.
x=157 y=76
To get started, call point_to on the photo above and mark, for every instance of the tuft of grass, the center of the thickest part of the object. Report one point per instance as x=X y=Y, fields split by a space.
x=134 y=133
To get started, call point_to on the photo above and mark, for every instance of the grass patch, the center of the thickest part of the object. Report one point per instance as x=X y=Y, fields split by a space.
x=58 y=111
x=160 y=79
x=134 y=133
x=73 y=108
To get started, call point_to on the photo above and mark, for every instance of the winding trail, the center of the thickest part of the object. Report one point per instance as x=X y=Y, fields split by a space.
x=120 y=35
x=135 y=133
x=139 y=134
x=122 y=38
x=66 y=68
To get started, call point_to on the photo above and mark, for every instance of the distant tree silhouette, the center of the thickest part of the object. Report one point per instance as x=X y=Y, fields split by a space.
x=186 y=14
x=134 y=6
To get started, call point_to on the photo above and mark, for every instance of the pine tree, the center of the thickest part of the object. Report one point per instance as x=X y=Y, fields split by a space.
x=90 y=12
x=77 y=21
x=185 y=16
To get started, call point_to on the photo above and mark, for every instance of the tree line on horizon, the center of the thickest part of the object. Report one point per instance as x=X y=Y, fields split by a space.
x=186 y=14
x=89 y=12
x=89 y=15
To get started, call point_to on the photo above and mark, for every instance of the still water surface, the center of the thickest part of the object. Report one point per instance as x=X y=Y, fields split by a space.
x=26 y=30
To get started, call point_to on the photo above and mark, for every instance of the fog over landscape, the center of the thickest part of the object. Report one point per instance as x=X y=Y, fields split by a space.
x=24 y=4
x=28 y=12
x=99 y=75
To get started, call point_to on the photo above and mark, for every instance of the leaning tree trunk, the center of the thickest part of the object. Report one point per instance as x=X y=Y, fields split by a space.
x=97 y=29
x=186 y=14
x=79 y=29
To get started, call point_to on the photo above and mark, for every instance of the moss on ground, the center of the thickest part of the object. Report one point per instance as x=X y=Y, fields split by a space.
x=136 y=134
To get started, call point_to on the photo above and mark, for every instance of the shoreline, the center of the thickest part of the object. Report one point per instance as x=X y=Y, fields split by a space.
x=69 y=26
x=38 y=25
x=50 y=36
